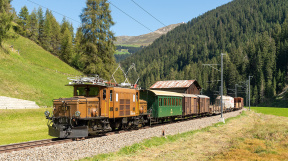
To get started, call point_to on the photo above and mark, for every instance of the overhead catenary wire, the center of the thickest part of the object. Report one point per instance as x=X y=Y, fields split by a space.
x=81 y=23
x=54 y=11
x=148 y=13
x=129 y=16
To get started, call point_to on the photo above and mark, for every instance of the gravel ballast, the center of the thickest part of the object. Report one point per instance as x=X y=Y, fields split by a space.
x=90 y=147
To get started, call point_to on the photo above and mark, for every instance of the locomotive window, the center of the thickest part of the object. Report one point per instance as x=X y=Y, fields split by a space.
x=136 y=96
x=133 y=97
x=104 y=94
x=81 y=91
x=93 y=91
x=111 y=94
x=116 y=97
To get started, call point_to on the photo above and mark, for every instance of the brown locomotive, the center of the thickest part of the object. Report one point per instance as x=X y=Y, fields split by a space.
x=96 y=108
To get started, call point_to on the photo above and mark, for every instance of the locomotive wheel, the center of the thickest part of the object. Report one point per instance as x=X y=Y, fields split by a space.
x=116 y=125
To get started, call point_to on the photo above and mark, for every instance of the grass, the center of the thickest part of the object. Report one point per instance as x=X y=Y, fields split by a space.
x=121 y=53
x=33 y=74
x=277 y=111
x=143 y=150
x=23 y=125
x=249 y=136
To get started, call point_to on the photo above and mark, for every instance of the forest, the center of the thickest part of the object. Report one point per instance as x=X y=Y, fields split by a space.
x=89 y=50
x=252 y=33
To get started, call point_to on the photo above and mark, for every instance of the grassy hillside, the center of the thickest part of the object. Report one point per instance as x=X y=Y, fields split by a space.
x=33 y=74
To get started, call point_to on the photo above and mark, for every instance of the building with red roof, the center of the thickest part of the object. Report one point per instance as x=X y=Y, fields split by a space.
x=180 y=86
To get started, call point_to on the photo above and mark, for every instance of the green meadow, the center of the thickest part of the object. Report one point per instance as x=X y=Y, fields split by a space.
x=23 y=125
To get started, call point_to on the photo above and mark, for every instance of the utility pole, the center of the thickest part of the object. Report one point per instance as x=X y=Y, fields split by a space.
x=236 y=90
x=222 y=119
x=221 y=91
x=249 y=90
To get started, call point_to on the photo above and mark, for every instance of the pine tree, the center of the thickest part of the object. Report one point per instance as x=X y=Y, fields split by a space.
x=23 y=19
x=47 y=29
x=5 y=19
x=33 y=26
x=40 y=18
x=97 y=39
x=66 y=46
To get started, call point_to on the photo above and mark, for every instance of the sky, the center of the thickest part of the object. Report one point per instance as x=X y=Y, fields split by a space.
x=166 y=11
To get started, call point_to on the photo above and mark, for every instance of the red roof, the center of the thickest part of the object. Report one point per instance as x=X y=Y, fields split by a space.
x=173 y=84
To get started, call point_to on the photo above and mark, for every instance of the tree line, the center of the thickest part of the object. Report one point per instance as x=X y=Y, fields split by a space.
x=90 y=50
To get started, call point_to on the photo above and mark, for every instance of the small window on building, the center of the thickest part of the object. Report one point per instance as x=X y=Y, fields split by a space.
x=111 y=95
x=104 y=94
x=116 y=97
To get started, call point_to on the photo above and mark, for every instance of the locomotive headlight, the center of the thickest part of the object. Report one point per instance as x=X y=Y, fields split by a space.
x=77 y=113
x=47 y=113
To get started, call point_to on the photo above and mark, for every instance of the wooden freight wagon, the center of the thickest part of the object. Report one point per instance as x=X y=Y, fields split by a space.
x=162 y=104
x=189 y=106
x=238 y=103
x=203 y=103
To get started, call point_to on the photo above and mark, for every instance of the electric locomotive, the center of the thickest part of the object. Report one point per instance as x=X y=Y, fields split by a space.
x=96 y=107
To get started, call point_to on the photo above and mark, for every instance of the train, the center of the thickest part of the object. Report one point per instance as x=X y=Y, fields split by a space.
x=98 y=107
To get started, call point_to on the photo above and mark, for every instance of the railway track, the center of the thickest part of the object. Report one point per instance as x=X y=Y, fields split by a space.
x=31 y=144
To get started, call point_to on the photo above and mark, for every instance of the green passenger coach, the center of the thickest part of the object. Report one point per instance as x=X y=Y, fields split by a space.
x=162 y=103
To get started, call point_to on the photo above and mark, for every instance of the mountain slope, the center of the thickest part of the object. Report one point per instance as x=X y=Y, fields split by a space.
x=33 y=74
x=146 y=39
x=252 y=33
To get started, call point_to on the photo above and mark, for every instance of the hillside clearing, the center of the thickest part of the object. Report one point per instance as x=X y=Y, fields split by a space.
x=252 y=136
x=33 y=74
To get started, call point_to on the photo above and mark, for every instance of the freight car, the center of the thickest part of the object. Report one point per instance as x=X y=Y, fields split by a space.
x=238 y=103
x=228 y=103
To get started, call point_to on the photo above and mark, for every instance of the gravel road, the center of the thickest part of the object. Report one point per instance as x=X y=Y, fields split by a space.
x=87 y=148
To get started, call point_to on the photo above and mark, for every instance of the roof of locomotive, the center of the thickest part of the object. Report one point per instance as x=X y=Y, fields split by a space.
x=165 y=93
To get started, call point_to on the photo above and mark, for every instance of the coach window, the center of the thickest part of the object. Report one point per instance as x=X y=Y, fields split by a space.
x=116 y=97
x=137 y=96
x=111 y=94
x=173 y=102
x=160 y=103
x=133 y=97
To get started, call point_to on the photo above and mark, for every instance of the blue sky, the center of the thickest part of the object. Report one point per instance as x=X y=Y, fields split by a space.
x=167 y=11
